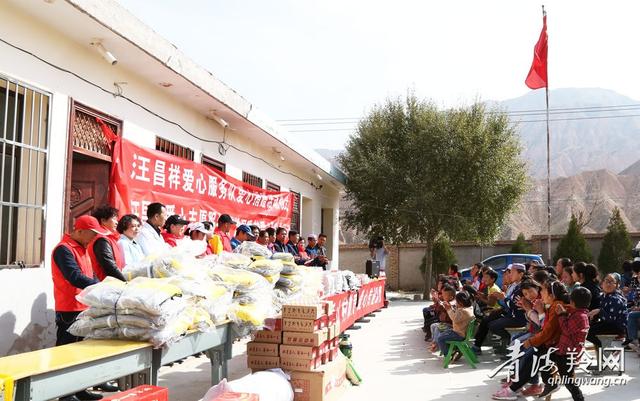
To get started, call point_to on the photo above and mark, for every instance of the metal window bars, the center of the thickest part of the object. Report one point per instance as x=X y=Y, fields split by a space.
x=24 y=138
x=252 y=179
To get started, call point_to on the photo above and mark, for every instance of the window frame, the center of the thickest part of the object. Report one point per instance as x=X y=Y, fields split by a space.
x=251 y=179
x=17 y=84
x=174 y=149
x=295 y=214
x=273 y=186
x=213 y=163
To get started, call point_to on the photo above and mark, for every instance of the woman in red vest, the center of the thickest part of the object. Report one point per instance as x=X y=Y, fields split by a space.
x=106 y=256
x=174 y=230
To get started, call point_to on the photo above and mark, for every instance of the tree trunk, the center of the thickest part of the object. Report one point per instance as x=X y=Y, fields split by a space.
x=428 y=269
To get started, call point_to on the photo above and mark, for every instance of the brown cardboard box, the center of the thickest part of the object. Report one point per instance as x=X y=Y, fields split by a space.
x=305 y=365
x=263 y=362
x=299 y=352
x=311 y=312
x=266 y=336
x=328 y=384
x=262 y=349
x=314 y=339
x=303 y=325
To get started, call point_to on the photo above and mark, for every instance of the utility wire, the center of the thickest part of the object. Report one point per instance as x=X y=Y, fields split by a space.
x=349 y=130
x=118 y=94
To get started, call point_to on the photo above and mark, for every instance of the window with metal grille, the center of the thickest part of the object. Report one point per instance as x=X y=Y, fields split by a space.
x=251 y=179
x=295 y=218
x=88 y=137
x=171 y=148
x=273 y=187
x=213 y=163
x=24 y=138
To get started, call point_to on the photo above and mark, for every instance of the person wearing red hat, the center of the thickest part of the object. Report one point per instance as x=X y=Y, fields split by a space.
x=71 y=272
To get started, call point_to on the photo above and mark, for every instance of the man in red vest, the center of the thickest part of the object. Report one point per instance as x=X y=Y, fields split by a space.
x=71 y=272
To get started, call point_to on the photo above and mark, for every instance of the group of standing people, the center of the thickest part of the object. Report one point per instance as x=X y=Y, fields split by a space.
x=101 y=245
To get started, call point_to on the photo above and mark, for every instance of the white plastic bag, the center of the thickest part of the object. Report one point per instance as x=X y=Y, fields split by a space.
x=270 y=385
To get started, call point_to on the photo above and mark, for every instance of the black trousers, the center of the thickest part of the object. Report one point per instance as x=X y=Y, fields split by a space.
x=63 y=322
x=602 y=327
x=562 y=370
x=483 y=329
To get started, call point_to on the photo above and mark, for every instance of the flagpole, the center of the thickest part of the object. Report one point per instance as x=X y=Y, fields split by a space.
x=544 y=14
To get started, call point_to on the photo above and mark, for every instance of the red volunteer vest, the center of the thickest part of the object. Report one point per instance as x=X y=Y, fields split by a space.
x=118 y=256
x=63 y=292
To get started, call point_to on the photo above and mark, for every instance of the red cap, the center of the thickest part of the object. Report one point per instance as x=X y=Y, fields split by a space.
x=87 y=222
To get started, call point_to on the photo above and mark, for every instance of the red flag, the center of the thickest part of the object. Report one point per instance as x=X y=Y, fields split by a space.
x=537 y=77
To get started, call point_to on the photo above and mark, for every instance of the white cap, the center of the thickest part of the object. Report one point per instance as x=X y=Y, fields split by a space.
x=198 y=226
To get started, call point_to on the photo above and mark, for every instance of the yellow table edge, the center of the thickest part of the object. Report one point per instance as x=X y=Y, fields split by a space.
x=33 y=363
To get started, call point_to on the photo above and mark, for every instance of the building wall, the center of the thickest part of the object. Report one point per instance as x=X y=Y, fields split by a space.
x=26 y=300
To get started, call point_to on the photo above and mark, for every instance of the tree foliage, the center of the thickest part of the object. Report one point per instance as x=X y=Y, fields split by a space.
x=416 y=172
x=521 y=245
x=616 y=245
x=443 y=257
x=573 y=245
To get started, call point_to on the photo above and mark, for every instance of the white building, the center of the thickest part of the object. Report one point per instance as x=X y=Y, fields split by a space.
x=54 y=81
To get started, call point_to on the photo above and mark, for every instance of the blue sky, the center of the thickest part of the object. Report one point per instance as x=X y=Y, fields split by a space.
x=302 y=59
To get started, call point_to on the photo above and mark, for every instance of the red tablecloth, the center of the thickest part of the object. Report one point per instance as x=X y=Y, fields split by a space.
x=353 y=305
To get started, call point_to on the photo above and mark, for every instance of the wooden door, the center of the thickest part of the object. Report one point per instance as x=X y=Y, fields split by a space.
x=88 y=162
x=89 y=186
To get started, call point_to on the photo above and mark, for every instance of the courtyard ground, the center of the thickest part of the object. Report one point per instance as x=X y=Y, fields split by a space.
x=391 y=356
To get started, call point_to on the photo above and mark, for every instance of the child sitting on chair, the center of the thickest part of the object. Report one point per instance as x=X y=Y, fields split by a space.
x=461 y=314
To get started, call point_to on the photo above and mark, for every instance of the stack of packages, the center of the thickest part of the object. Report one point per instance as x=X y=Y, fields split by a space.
x=143 y=309
x=252 y=299
x=304 y=342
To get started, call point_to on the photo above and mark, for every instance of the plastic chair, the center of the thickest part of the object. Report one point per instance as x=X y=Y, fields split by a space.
x=464 y=346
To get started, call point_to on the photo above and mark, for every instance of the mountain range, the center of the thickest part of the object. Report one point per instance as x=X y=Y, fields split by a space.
x=595 y=166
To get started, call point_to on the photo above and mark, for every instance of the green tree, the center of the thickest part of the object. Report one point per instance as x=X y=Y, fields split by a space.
x=616 y=245
x=416 y=172
x=521 y=245
x=573 y=245
x=443 y=257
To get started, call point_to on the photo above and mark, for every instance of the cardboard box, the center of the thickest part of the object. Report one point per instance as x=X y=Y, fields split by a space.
x=314 y=339
x=263 y=362
x=303 y=325
x=266 y=336
x=299 y=352
x=328 y=384
x=305 y=365
x=141 y=393
x=311 y=312
x=231 y=396
x=263 y=349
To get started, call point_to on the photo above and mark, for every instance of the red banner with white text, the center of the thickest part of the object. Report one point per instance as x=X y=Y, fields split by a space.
x=353 y=305
x=140 y=176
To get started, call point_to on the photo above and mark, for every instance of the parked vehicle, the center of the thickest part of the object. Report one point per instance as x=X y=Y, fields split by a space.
x=500 y=262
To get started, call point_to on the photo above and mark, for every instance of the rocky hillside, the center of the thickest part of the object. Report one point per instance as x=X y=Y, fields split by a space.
x=589 y=131
x=595 y=193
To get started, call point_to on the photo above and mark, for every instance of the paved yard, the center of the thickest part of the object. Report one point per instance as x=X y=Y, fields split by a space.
x=391 y=356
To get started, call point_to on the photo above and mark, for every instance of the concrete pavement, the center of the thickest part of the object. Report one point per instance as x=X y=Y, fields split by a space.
x=391 y=356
